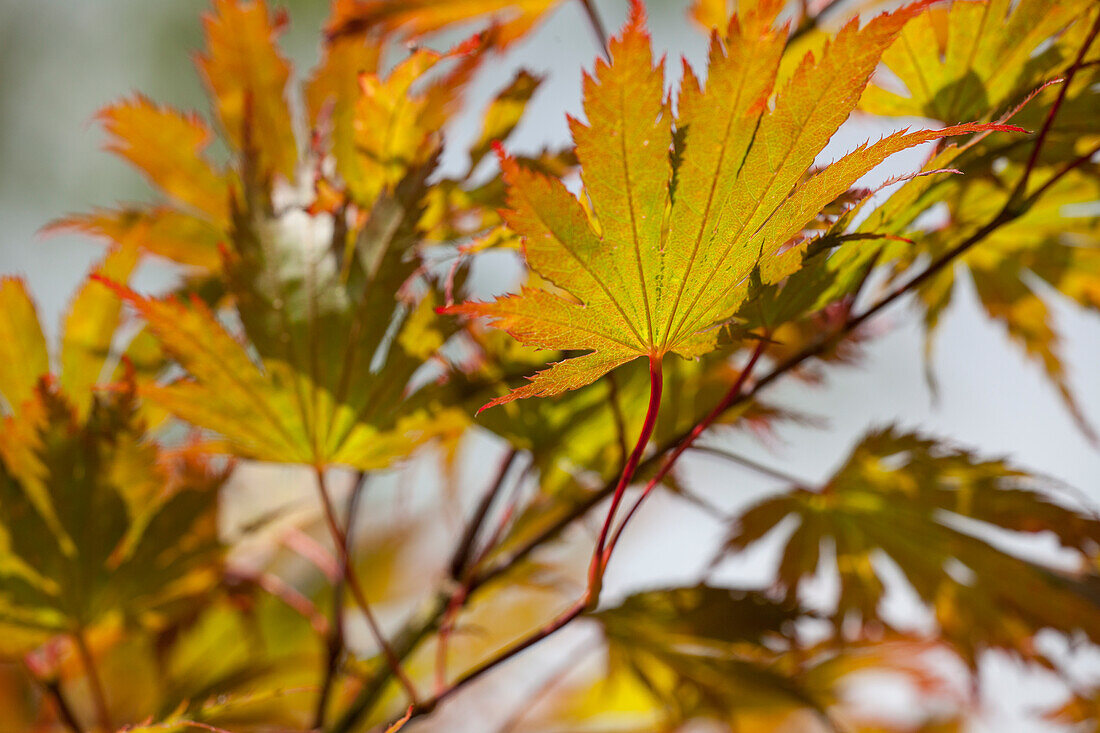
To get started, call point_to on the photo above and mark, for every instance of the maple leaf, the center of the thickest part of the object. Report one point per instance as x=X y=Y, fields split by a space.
x=1043 y=243
x=708 y=653
x=670 y=240
x=163 y=231
x=68 y=453
x=334 y=347
x=247 y=78
x=902 y=495
x=168 y=146
x=971 y=60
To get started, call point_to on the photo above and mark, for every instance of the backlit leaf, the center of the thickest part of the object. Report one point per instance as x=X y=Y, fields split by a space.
x=971 y=60
x=168 y=147
x=509 y=19
x=153 y=534
x=327 y=382
x=23 y=354
x=916 y=502
x=247 y=76
x=670 y=239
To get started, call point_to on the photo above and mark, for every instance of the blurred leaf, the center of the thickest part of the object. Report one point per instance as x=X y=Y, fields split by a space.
x=504 y=113
x=159 y=230
x=23 y=354
x=508 y=19
x=89 y=329
x=972 y=60
x=329 y=383
x=153 y=539
x=247 y=77
x=924 y=506
x=168 y=147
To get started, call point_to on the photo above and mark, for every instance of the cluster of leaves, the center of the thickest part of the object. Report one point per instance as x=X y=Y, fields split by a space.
x=315 y=325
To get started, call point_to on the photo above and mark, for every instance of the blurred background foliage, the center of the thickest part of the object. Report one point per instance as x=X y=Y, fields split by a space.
x=60 y=62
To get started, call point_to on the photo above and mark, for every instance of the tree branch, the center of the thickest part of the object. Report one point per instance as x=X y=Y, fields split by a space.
x=348 y=572
x=417 y=630
x=1048 y=123
x=733 y=393
x=335 y=645
x=596 y=24
x=64 y=712
x=462 y=553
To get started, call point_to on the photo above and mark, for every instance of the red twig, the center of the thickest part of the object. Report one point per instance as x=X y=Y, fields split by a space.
x=733 y=393
x=560 y=622
x=335 y=641
x=461 y=557
x=656 y=382
x=461 y=563
x=591 y=593
x=1048 y=123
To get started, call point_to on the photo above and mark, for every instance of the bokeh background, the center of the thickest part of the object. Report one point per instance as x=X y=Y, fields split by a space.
x=61 y=60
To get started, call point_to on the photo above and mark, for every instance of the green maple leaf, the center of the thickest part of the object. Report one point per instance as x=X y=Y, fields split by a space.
x=664 y=254
x=334 y=347
x=97 y=518
x=971 y=60
x=905 y=497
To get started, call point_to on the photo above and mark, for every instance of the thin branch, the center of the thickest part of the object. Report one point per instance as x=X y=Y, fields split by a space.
x=591 y=594
x=461 y=563
x=751 y=465
x=596 y=24
x=1067 y=168
x=595 y=571
x=335 y=644
x=352 y=581
x=462 y=553
x=458 y=599
x=99 y=697
x=278 y=588
x=560 y=622
x=552 y=680
x=733 y=393
x=417 y=629
x=1048 y=123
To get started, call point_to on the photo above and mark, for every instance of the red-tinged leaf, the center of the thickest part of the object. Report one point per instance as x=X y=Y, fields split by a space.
x=248 y=76
x=398 y=118
x=411 y=19
x=160 y=230
x=23 y=355
x=665 y=254
x=168 y=147
x=332 y=94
